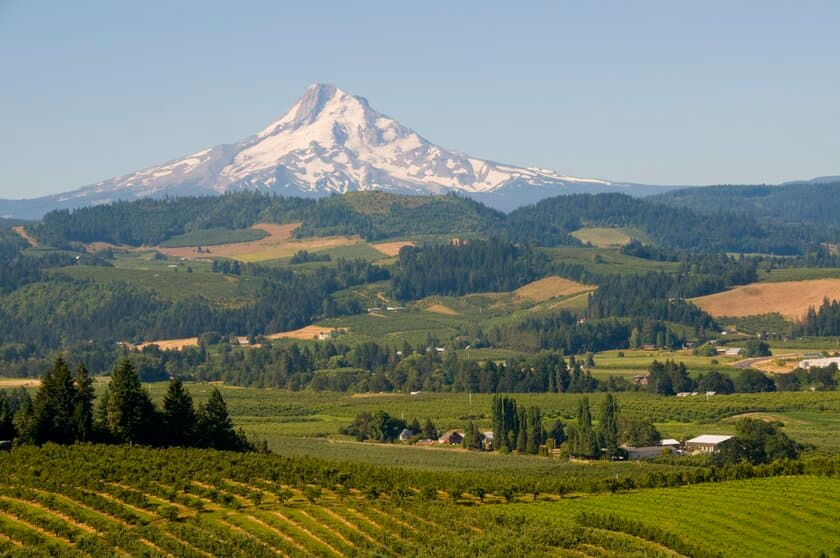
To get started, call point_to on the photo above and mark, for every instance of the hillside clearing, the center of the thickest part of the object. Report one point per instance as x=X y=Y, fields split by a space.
x=603 y=237
x=392 y=248
x=441 y=309
x=307 y=333
x=551 y=287
x=790 y=298
x=25 y=235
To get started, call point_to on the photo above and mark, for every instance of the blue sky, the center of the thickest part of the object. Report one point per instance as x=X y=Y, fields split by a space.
x=658 y=92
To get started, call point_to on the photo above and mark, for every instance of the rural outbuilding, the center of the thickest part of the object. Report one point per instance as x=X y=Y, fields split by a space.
x=707 y=443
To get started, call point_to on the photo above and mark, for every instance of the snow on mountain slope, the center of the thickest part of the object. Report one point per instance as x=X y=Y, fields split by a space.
x=329 y=142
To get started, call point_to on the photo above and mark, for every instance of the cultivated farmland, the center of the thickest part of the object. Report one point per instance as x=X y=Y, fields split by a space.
x=789 y=298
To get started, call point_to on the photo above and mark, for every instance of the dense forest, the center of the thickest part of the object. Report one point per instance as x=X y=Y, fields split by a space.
x=812 y=203
x=549 y=222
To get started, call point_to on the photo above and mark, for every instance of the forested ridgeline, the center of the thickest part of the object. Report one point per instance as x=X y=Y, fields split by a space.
x=666 y=226
x=377 y=215
x=65 y=312
x=790 y=203
x=371 y=215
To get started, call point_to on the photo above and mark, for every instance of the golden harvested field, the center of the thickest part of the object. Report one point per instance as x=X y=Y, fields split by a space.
x=278 y=243
x=12 y=383
x=308 y=332
x=441 y=309
x=392 y=248
x=551 y=287
x=169 y=344
x=277 y=237
x=790 y=298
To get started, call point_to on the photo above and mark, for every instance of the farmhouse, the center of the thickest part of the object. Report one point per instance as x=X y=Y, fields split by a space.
x=452 y=437
x=819 y=362
x=670 y=442
x=707 y=443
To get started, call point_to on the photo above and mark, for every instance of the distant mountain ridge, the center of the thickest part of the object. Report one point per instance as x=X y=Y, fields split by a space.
x=813 y=201
x=329 y=142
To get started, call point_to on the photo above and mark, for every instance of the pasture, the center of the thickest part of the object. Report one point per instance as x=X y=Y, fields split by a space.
x=214 y=237
x=791 y=299
x=603 y=237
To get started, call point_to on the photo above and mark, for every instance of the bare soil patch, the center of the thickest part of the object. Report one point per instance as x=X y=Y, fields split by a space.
x=308 y=332
x=169 y=344
x=25 y=235
x=790 y=298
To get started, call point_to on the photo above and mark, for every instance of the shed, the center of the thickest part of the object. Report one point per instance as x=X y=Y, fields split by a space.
x=707 y=443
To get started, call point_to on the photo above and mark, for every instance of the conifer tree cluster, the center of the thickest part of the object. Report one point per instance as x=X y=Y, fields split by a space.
x=62 y=412
x=516 y=427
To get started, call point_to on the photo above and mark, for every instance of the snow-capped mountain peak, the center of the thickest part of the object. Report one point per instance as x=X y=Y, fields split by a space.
x=329 y=141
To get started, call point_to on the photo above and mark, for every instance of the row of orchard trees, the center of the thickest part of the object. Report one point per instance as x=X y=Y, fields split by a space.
x=63 y=412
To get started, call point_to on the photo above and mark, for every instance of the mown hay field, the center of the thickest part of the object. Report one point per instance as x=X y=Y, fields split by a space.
x=789 y=298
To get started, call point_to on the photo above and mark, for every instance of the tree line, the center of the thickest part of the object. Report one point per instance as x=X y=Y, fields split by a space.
x=63 y=412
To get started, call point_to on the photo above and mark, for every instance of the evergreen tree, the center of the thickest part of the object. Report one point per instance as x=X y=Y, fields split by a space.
x=83 y=404
x=53 y=408
x=585 y=442
x=609 y=426
x=179 y=420
x=129 y=413
x=24 y=421
x=7 y=427
x=473 y=438
x=429 y=430
x=215 y=429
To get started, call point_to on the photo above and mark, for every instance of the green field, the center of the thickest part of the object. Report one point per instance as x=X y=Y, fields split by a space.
x=170 y=282
x=608 y=237
x=604 y=261
x=811 y=418
x=213 y=237
x=799 y=274
x=787 y=516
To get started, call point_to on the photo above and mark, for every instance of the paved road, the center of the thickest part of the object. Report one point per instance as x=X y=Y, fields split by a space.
x=749 y=362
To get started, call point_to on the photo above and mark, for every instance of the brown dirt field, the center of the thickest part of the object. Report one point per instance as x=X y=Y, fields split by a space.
x=790 y=298
x=25 y=235
x=441 y=309
x=392 y=248
x=169 y=344
x=307 y=332
x=551 y=287
x=278 y=235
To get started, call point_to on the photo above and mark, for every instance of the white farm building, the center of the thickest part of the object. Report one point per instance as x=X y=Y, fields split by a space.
x=819 y=362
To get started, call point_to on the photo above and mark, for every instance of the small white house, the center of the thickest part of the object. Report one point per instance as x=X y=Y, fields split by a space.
x=669 y=442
